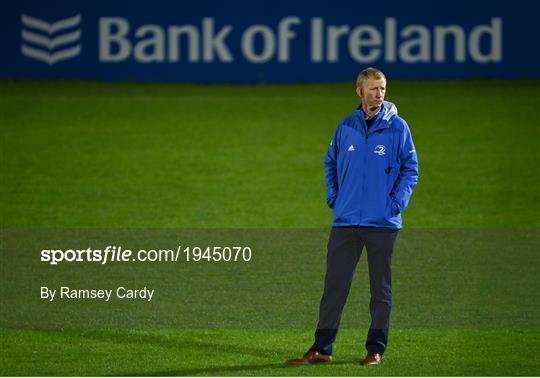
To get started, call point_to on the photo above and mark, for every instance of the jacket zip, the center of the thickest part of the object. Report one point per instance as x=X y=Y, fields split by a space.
x=364 y=170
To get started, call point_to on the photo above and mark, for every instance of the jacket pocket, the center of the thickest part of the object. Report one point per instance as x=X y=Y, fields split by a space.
x=392 y=207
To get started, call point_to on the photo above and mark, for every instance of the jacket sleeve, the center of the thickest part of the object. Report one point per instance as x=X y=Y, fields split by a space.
x=408 y=170
x=330 y=165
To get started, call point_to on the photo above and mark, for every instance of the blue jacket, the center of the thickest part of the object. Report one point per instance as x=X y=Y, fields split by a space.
x=370 y=175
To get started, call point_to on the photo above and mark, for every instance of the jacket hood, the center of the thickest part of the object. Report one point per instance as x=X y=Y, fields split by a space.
x=390 y=110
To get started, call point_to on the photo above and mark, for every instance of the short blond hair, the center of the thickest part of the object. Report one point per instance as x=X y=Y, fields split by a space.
x=369 y=73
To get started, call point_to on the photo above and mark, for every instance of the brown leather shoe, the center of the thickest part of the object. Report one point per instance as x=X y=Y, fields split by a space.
x=372 y=359
x=311 y=357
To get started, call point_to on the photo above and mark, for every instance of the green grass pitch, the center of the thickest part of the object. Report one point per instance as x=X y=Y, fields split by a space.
x=89 y=154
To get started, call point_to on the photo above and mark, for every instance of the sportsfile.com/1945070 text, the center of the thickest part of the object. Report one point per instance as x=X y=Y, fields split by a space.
x=118 y=254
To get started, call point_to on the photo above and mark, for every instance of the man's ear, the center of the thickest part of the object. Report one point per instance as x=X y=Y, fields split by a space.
x=359 y=92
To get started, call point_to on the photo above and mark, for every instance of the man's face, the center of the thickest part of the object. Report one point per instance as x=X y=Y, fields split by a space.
x=372 y=92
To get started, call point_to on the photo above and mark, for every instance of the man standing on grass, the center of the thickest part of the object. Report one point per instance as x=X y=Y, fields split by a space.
x=371 y=171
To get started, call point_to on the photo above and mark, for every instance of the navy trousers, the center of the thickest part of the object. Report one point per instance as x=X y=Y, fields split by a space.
x=344 y=249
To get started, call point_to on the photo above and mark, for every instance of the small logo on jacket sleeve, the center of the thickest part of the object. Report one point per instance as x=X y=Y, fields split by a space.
x=380 y=150
x=351 y=148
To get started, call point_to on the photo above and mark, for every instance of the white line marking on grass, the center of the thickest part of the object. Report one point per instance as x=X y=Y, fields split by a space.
x=183 y=98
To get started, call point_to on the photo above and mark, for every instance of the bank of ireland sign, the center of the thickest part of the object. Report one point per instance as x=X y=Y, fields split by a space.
x=208 y=40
